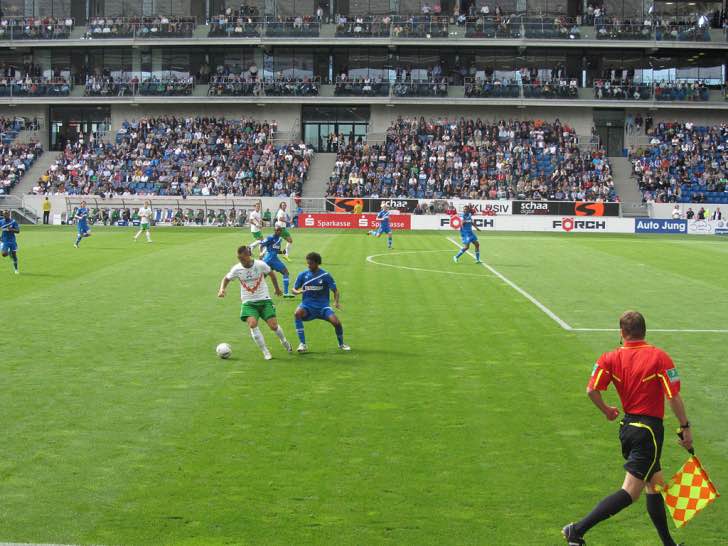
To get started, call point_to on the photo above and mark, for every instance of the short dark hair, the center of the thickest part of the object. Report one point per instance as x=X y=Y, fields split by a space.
x=632 y=323
x=314 y=257
x=245 y=249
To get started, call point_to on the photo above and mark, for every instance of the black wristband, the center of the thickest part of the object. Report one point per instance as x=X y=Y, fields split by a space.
x=686 y=425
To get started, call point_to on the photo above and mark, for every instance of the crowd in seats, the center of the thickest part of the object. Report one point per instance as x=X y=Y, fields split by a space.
x=682 y=91
x=291 y=87
x=621 y=90
x=105 y=85
x=29 y=81
x=233 y=86
x=35 y=28
x=552 y=89
x=491 y=26
x=683 y=162
x=360 y=87
x=181 y=156
x=242 y=23
x=296 y=26
x=551 y=28
x=613 y=29
x=473 y=159
x=158 y=26
x=15 y=160
x=436 y=87
x=420 y=26
x=169 y=87
x=689 y=32
x=361 y=26
x=492 y=88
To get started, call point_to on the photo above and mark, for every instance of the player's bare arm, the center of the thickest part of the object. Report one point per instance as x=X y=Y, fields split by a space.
x=610 y=412
x=274 y=280
x=223 y=286
x=337 y=295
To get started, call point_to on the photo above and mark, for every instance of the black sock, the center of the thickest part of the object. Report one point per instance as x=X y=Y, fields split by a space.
x=656 y=510
x=608 y=507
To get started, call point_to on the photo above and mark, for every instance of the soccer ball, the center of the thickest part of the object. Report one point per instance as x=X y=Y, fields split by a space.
x=223 y=350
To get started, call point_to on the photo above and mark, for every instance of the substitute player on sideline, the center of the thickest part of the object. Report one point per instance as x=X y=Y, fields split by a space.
x=255 y=297
x=145 y=221
x=643 y=376
x=8 y=243
x=384 y=226
x=283 y=221
x=315 y=284
x=466 y=234
x=256 y=223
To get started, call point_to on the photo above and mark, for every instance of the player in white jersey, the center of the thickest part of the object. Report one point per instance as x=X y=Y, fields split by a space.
x=256 y=223
x=145 y=221
x=256 y=301
x=283 y=221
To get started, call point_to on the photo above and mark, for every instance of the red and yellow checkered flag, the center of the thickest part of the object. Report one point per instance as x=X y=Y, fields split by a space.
x=689 y=491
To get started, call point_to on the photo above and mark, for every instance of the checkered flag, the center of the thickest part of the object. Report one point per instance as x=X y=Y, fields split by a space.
x=688 y=492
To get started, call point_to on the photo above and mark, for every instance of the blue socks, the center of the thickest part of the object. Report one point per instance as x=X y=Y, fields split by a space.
x=477 y=255
x=285 y=284
x=339 y=334
x=78 y=239
x=389 y=242
x=14 y=256
x=462 y=251
x=300 y=332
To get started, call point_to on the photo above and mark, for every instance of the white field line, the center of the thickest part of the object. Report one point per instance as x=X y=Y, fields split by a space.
x=371 y=260
x=565 y=325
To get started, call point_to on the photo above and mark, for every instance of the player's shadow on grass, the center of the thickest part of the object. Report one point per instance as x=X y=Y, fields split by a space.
x=48 y=275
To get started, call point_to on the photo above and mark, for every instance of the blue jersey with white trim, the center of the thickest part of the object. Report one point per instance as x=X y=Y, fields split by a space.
x=8 y=237
x=466 y=228
x=383 y=218
x=315 y=287
x=82 y=215
x=272 y=245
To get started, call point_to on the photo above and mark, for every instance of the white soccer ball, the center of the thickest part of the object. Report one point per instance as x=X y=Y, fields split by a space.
x=223 y=350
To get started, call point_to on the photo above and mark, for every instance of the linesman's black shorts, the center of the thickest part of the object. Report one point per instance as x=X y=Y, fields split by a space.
x=641 y=438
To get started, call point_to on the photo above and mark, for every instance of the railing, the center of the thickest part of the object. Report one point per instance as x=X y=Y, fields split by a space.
x=556 y=89
x=145 y=27
x=368 y=26
x=36 y=88
x=149 y=87
x=361 y=87
x=420 y=89
x=487 y=26
x=558 y=28
x=292 y=87
x=622 y=91
x=235 y=27
x=682 y=33
x=623 y=32
x=32 y=28
x=420 y=26
x=234 y=87
x=492 y=89
x=292 y=27
x=681 y=92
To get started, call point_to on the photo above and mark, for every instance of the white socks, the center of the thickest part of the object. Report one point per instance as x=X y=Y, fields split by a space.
x=258 y=338
x=288 y=249
x=281 y=335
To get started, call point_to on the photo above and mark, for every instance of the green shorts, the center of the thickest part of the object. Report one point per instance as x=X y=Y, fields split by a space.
x=263 y=309
x=286 y=234
x=144 y=226
x=257 y=234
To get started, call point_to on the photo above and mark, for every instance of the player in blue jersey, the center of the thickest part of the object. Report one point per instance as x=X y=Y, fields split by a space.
x=384 y=227
x=467 y=235
x=271 y=246
x=315 y=285
x=81 y=218
x=8 y=244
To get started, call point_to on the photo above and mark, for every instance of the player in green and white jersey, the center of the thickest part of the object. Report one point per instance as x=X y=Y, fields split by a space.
x=256 y=223
x=256 y=301
x=145 y=221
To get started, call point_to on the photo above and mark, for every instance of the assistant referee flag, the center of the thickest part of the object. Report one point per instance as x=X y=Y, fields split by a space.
x=689 y=491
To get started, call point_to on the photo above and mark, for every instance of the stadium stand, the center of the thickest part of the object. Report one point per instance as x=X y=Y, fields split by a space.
x=473 y=159
x=15 y=160
x=35 y=28
x=683 y=163
x=175 y=156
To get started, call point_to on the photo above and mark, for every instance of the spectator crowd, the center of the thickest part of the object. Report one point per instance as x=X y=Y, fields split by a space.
x=683 y=162
x=474 y=159
x=181 y=156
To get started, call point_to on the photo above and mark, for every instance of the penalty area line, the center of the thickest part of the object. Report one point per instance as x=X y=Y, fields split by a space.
x=371 y=260
x=548 y=312
x=565 y=325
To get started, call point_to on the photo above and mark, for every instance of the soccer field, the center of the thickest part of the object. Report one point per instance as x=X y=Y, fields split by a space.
x=459 y=417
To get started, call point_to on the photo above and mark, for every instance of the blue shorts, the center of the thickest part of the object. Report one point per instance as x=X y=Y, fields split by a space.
x=383 y=229
x=315 y=312
x=8 y=247
x=275 y=264
x=469 y=238
x=83 y=228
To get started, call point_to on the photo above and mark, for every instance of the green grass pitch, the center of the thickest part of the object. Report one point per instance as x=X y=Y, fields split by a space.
x=459 y=417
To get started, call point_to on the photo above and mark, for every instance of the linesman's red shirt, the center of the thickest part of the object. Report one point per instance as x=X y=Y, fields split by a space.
x=642 y=374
